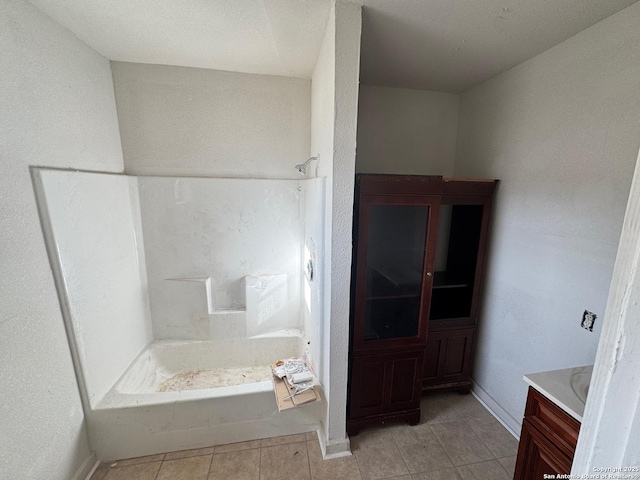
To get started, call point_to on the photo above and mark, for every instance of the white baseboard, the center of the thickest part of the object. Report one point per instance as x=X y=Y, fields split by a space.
x=507 y=421
x=87 y=468
x=334 y=449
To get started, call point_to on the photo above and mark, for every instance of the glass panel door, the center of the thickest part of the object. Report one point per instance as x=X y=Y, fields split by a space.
x=395 y=255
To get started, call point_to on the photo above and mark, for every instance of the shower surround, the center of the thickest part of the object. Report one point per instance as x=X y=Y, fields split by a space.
x=170 y=288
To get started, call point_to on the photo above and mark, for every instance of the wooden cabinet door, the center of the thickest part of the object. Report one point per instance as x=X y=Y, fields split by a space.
x=393 y=271
x=537 y=456
x=385 y=383
x=447 y=357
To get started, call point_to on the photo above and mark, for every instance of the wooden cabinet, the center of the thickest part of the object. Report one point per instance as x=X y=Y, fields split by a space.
x=448 y=359
x=418 y=259
x=388 y=386
x=548 y=439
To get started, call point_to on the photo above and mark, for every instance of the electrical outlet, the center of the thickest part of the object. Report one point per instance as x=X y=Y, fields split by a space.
x=588 y=319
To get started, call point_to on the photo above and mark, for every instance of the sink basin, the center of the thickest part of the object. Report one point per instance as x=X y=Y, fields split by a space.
x=579 y=382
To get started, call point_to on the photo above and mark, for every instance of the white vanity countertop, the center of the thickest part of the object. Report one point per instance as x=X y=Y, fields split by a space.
x=567 y=388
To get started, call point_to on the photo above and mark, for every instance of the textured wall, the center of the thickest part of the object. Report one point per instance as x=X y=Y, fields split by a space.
x=410 y=132
x=182 y=121
x=610 y=430
x=57 y=110
x=334 y=118
x=347 y=71
x=561 y=132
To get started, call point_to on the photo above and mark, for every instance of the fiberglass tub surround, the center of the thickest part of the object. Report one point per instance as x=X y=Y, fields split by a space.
x=178 y=294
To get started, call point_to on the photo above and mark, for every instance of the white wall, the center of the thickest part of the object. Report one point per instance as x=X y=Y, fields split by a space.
x=347 y=75
x=181 y=121
x=333 y=135
x=561 y=132
x=58 y=110
x=322 y=132
x=100 y=267
x=403 y=131
x=222 y=229
x=610 y=430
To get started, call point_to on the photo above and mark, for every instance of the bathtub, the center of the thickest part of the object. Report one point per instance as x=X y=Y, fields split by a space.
x=189 y=394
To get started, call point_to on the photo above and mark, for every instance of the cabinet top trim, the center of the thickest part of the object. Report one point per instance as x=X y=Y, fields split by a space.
x=383 y=184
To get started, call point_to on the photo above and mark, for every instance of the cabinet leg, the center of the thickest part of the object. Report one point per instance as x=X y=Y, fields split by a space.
x=414 y=419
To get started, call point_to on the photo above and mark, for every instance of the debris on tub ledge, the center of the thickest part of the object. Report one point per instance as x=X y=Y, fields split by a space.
x=293 y=383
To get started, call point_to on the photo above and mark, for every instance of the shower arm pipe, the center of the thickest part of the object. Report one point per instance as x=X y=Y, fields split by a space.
x=302 y=167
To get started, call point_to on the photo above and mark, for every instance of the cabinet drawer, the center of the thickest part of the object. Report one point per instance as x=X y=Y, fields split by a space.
x=552 y=421
x=538 y=457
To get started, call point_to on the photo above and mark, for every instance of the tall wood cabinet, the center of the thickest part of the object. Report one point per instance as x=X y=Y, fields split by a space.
x=419 y=244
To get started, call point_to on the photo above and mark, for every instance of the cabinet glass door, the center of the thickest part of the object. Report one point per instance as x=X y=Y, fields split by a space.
x=456 y=260
x=395 y=258
x=391 y=278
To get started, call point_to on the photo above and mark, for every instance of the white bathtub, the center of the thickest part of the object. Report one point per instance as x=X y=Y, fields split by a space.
x=135 y=419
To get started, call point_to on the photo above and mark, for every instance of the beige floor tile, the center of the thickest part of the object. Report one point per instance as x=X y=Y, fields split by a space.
x=420 y=449
x=491 y=470
x=138 y=460
x=270 y=442
x=234 y=447
x=382 y=429
x=461 y=443
x=470 y=407
x=100 y=472
x=143 y=471
x=368 y=436
x=407 y=435
x=343 y=468
x=439 y=408
x=509 y=464
x=289 y=461
x=456 y=430
x=191 y=468
x=377 y=455
x=240 y=465
x=445 y=474
x=495 y=437
x=189 y=453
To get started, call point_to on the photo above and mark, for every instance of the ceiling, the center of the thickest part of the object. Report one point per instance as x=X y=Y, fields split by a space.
x=443 y=45
x=273 y=37
x=452 y=45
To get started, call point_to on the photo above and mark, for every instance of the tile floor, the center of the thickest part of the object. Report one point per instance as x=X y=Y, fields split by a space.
x=457 y=439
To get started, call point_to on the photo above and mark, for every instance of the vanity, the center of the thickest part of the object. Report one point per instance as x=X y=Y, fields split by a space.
x=552 y=418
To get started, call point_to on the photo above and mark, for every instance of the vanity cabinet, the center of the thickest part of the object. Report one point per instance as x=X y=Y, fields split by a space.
x=548 y=439
x=418 y=260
